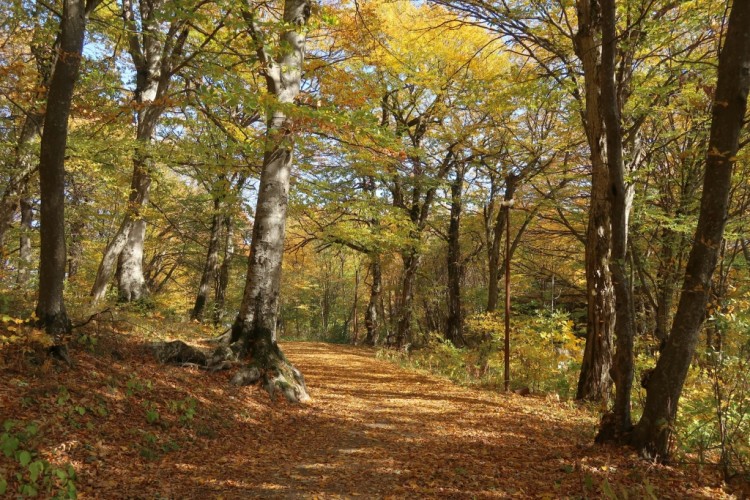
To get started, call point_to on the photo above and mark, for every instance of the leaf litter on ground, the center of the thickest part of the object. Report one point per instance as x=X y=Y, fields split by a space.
x=134 y=428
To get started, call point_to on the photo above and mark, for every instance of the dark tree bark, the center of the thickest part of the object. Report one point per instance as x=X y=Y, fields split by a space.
x=651 y=435
x=255 y=326
x=211 y=264
x=222 y=279
x=595 y=381
x=455 y=321
x=495 y=238
x=50 y=307
x=620 y=198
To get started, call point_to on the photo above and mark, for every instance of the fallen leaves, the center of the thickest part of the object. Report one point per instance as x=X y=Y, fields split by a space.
x=373 y=430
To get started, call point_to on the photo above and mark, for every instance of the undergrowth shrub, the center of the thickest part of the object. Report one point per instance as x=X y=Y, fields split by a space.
x=544 y=353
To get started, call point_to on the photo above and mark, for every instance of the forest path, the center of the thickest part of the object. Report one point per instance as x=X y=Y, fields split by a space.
x=376 y=430
x=134 y=428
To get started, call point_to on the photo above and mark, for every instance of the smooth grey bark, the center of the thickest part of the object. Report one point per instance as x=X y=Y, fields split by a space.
x=154 y=53
x=24 y=248
x=651 y=435
x=211 y=264
x=255 y=325
x=595 y=381
x=50 y=307
x=371 y=313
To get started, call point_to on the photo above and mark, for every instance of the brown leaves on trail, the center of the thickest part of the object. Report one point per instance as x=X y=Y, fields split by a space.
x=133 y=428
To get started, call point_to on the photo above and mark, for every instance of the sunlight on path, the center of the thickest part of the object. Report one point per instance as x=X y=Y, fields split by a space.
x=376 y=430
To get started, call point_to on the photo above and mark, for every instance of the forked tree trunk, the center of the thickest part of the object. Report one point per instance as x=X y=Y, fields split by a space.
x=651 y=435
x=496 y=235
x=50 y=307
x=255 y=326
x=594 y=381
x=154 y=54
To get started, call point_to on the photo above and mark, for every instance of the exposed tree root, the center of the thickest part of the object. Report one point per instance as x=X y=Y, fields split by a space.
x=275 y=374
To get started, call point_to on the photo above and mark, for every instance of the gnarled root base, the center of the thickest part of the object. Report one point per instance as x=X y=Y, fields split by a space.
x=269 y=366
x=276 y=375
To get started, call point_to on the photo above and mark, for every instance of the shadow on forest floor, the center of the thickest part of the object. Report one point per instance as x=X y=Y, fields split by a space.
x=373 y=429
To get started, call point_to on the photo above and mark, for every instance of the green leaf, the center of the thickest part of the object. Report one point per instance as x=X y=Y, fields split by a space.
x=9 y=446
x=32 y=429
x=28 y=490
x=3 y=485
x=24 y=458
x=35 y=470
x=8 y=425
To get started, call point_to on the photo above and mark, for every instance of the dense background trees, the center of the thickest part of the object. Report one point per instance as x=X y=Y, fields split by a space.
x=411 y=125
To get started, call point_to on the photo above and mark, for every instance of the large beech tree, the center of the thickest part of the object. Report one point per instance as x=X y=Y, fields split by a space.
x=255 y=326
x=50 y=307
x=651 y=434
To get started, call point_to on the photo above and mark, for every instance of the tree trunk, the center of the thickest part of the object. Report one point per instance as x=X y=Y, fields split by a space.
x=222 y=280
x=454 y=323
x=24 y=169
x=24 y=249
x=153 y=53
x=371 y=314
x=211 y=264
x=75 y=252
x=498 y=230
x=595 y=381
x=411 y=260
x=50 y=307
x=255 y=326
x=651 y=435
x=621 y=197
x=355 y=307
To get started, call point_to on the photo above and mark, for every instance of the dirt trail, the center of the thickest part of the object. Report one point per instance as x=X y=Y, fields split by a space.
x=373 y=430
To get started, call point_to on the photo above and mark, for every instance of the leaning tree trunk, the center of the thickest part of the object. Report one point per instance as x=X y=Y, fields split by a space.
x=651 y=435
x=50 y=307
x=255 y=326
x=595 y=381
x=211 y=264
